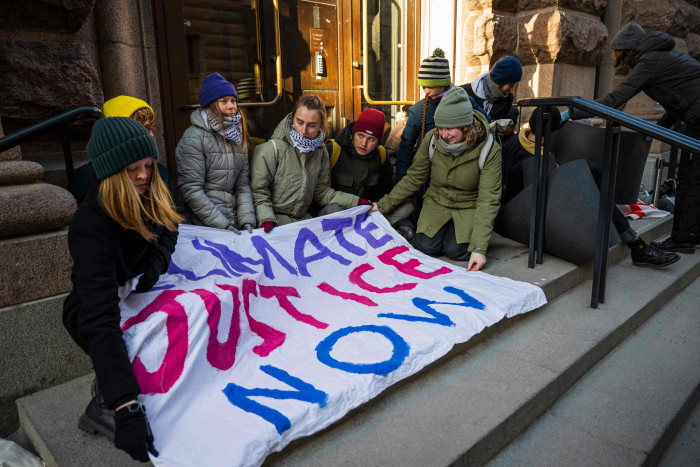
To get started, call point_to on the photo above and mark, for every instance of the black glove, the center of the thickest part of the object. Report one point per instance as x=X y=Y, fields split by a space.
x=151 y=274
x=133 y=433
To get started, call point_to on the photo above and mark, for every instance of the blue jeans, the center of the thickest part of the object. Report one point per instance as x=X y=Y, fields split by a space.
x=444 y=242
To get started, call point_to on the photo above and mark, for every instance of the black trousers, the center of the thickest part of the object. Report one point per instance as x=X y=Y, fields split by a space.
x=687 y=209
x=444 y=242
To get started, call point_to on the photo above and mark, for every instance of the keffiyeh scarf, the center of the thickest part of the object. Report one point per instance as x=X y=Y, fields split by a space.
x=232 y=129
x=305 y=144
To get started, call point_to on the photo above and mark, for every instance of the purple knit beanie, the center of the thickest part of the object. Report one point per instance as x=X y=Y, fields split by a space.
x=215 y=87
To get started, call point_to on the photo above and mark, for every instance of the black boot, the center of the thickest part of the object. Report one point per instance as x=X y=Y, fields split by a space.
x=97 y=417
x=671 y=245
x=647 y=256
x=406 y=229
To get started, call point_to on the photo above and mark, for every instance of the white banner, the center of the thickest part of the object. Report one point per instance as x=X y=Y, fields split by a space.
x=252 y=341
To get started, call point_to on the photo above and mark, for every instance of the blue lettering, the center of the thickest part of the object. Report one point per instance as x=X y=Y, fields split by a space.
x=232 y=261
x=365 y=231
x=437 y=317
x=240 y=397
x=338 y=225
x=191 y=276
x=401 y=348
x=263 y=247
x=306 y=235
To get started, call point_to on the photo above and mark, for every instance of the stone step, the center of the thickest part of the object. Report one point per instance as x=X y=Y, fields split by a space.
x=685 y=447
x=628 y=408
x=471 y=405
x=464 y=406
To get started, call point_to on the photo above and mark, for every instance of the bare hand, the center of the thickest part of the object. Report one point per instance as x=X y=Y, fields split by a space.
x=374 y=208
x=476 y=261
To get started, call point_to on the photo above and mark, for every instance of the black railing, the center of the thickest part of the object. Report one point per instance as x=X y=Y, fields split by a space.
x=615 y=119
x=59 y=121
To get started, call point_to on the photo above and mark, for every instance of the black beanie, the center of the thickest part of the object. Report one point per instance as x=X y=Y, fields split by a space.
x=117 y=142
x=627 y=37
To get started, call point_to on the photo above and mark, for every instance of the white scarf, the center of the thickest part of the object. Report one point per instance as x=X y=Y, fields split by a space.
x=305 y=144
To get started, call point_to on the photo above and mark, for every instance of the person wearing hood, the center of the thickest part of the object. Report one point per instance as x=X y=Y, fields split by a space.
x=672 y=79
x=494 y=90
x=212 y=160
x=292 y=169
x=462 y=200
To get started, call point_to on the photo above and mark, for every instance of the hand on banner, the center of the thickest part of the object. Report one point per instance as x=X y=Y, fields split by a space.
x=133 y=433
x=248 y=227
x=374 y=208
x=150 y=276
x=267 y=226
x=233 y=229
x=476 y=261
x=364 y=202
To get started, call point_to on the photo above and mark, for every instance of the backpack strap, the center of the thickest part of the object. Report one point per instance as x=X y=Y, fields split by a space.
x=485 y=151
x=335 y=154
x=431 y=147
x=277 y=157
x=382 y=153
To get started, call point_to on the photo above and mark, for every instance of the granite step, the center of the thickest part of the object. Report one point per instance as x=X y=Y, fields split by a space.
x=629 y=407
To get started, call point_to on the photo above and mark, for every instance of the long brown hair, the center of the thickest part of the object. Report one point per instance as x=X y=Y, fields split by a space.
x=122 y=201
x=213 y=109
x=312 y=103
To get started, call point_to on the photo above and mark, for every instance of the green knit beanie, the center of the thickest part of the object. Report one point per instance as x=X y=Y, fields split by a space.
x=455 y=110
x=434 y=71
x=117 y=142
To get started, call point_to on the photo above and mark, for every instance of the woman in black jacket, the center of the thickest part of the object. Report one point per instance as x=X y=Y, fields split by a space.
x=126 y=227
x=673 y=80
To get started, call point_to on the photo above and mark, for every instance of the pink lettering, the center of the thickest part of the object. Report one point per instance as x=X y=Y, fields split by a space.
x=410 y=267
x=161 y=380
x=221 y=355
x=282 y=294
x=272 y=338
x=329 y=289
x=356 y=278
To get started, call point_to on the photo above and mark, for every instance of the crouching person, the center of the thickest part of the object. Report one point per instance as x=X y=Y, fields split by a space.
x=462 y=200
x=292 y=169
x=518 y=150
x=126 y=227
x=359 y=164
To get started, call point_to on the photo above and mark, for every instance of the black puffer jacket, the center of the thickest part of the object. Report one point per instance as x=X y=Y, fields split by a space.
x=105 y=256
x=363 y=176
x=669 y=77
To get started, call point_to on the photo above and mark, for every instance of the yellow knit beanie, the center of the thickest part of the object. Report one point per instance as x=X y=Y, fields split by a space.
x=123 y=106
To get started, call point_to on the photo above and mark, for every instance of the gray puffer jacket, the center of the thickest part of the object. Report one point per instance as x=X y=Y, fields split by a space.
x=213 y=178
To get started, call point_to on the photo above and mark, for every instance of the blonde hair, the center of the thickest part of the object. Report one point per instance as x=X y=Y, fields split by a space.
x=145 y=117
x=122 y=201
x=213 y=109
x=312 y=103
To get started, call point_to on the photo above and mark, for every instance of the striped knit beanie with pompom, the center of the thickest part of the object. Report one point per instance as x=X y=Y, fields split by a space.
x=434 y=71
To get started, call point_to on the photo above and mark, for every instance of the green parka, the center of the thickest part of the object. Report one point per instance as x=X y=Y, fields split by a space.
x=458 y=190
x=286 y=181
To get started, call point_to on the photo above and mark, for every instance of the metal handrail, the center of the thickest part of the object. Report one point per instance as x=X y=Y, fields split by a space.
x=17 y=138
x=278 y=69
x=615 y=119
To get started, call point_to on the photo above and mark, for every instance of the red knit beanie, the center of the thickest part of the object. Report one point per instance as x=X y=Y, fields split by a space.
x=370 y=121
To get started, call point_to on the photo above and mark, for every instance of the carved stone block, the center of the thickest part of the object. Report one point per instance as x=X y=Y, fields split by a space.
x=672 y=16
x=593 y=7
x=510 y=6
x=38 y=207
x=693 y=43
x=64 y=72
x=45 y=15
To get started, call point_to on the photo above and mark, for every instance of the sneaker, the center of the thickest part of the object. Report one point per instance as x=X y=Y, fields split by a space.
x=97 y=417
x=671 y=245
x=646 y=256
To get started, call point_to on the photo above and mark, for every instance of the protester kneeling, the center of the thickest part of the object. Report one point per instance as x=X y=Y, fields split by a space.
x=126 y=227
x=462 y=200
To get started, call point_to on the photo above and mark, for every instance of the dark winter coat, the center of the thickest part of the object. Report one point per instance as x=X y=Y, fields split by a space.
x=667 y=76
x=363 y=176
x=501 y=109
x=513 y=154
x=105 y=256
